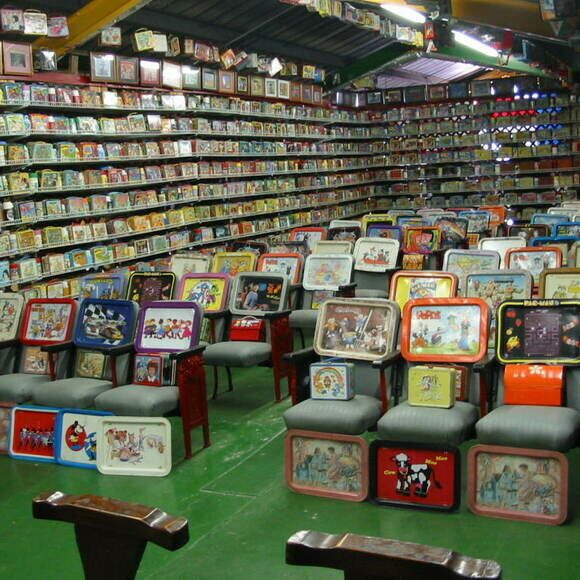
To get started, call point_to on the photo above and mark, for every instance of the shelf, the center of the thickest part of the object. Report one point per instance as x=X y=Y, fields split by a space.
x=169 y=251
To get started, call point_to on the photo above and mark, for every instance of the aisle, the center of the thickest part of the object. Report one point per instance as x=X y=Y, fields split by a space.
x=241 y=513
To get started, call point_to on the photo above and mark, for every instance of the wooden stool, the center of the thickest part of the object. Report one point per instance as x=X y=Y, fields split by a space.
x=111 y=534
x=368 y=558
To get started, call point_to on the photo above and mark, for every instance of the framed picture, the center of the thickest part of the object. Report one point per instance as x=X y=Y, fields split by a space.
x=463 y=262
x=375 y=254
x=393 y=96
x=150 y=73
x=326 y=464
x=258 y=292
x=5 y=422
x=17 y=58
x=104 y=286
x=375 y=98
x=127 y=70
x=209 y=291
x=445 y=330
x=48 y=321
x=289 y=264
x=316 y=95
x=415 y=475
x=414 y=94
x=182 y=264
x=119 y=454
x=459 y=90
x=111 y=36
x=295 y=91
x=11 y=305
x=76 y=437
x=437 y=92
x=544 y=331
x=257 y=86
x=409 y=285
x=359 y=329
x=327 y=272
x=556 y=284
x=209 y=79
x=495 y=287
x=422 y=240
x=33 y=361
x=284 y=89
x=242 y=84
x=271 y=88
x=103 y=67
x=518 y=484
x=232 y=263
x=332 y=247
x=480 y=88
x=171 y=75
x=150 y=286
x=168 y=326
x=387 y=231
x=32 y=433
x=190 y=76
x=227 y=81
x=105 y=322
x=534 y=260
x=308 y=235
x=502 y=245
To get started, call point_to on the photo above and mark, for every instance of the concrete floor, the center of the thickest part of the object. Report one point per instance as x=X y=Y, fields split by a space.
x=241 y=512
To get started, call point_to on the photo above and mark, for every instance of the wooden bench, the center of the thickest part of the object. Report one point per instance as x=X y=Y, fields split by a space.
x=368 y=558
x=111 y=535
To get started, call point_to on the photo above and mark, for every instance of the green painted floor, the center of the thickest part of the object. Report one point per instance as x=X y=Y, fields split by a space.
x=241 y=513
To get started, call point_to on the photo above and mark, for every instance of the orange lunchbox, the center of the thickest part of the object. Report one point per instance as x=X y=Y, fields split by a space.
x=534 y=385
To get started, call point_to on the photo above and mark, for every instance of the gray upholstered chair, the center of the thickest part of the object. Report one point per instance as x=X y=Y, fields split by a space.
x=539 y=426
x=184 y=392
x=251 y=300
x=375 y=260
x=419 y=424
x=103 y=342
x=359 y=414
x=24 y=365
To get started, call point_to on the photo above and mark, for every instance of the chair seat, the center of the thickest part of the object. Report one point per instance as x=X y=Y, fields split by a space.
x=428 y=424
x=555 y=428
x=303 y=319
x=76 y=393
x=17 y=387
x=237 y=353
x=346 y=417
x=139 y=400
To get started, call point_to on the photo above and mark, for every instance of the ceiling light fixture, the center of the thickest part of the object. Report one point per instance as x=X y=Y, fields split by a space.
x=405 y=12
x=474 y=44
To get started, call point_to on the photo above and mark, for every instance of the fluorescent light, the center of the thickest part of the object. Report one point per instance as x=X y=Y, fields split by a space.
x=405 y=12
x=474 y=43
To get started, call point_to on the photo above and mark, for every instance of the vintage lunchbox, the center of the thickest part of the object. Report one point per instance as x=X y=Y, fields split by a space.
x=332 y=381
x=534 y=385
x=432 y=386
x=154 y=370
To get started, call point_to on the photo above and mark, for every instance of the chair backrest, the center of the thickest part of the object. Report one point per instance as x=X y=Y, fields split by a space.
x=11 y=308
x=360 y=330
x=106 y=286
x=232 y=263
x=151 y=286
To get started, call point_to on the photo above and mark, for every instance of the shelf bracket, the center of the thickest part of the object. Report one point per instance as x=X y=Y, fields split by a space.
x=88 y=21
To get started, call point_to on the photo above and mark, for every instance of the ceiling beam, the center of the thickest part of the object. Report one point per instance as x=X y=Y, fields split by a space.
x=88 y=21
x=370 y=64
x=221 y=35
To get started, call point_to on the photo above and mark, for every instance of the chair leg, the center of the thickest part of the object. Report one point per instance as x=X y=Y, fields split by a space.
x=206 y=440
x=215 y=383
x=230 y=380
x=301 y=334
x=186 y=438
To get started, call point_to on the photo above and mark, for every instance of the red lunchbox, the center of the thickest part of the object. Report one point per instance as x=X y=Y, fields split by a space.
x=248 y=329
x=534 y=385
